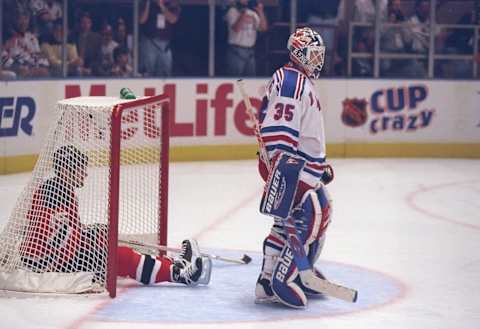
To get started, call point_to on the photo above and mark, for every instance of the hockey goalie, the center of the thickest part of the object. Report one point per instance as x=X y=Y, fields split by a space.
x=292 y=129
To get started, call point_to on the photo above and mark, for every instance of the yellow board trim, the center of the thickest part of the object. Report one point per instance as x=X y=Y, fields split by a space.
x=21 y=163
x=213 y=152
x=16 y=164
x=404 y=150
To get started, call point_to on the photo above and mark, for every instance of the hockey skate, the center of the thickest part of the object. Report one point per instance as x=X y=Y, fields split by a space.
x=186 y=254
x=189 y=274
x=190 y=267
x=263 y=291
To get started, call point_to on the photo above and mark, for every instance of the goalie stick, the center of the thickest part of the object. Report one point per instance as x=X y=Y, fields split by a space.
x=243 y=261
x=309 y=279
x=256 y=129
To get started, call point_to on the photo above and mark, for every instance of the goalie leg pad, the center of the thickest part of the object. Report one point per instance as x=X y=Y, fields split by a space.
x=272 y=247
x=326 y=205
x=315 y=249
x=308 y=218
x=312 y=217
x=285 y=283
x=313 y=252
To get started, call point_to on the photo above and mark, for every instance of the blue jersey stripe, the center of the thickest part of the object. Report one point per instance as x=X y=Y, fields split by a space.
x=289 y=84
x=302 y=88
x=280 y=147
x=309 y=158
x=274 y=129
x=273 y=246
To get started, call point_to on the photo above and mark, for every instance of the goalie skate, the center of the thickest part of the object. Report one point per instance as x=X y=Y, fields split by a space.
x=263 y=291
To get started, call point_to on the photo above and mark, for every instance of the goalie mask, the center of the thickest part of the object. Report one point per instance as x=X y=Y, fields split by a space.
x=307 y=50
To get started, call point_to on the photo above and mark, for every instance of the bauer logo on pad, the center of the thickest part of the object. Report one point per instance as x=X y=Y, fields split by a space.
x=280 y=193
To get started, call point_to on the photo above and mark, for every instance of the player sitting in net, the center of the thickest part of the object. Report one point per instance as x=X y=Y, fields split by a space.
x=56 y=240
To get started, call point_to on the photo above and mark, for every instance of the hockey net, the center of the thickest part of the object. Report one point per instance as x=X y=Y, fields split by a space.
x=102 y=176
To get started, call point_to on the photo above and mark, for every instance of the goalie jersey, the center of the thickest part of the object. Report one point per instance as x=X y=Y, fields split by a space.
x=291 y=121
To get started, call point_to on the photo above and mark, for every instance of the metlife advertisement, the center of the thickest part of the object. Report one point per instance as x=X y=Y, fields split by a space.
x=212 y=112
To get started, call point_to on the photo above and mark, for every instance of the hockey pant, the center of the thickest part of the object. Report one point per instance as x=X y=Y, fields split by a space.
x=280 y=279
x=140 y=267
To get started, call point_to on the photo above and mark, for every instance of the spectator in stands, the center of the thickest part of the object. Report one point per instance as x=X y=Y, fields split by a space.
x=364 y=36
x=108 y=46
x=157 y=21
x=122 y=37
x=22 y=50
x=364 y=11
x=395 y=12
x=52 y=48
x=417 y=38
x=456 y=42
x=16 y=6
x=326 y=17
x=6 y=74
x=89 y=45
x=392 y=40
x=477 y=59
x=121 y=67
x=10 y=9
x=244 y=19
x=46 y=12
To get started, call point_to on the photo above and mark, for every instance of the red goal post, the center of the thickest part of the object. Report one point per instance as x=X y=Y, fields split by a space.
x=54 y=240
x=115 y=159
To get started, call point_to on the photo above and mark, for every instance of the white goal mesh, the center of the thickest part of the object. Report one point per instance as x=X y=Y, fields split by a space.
x=104 y=169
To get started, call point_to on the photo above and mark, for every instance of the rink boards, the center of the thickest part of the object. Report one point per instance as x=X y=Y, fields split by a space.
x=364 y=118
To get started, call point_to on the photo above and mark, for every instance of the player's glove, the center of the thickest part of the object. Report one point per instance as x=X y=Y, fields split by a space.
x=327 y=175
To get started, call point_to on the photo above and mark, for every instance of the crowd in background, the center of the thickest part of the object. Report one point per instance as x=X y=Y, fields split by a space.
x=250 y=37
x=407 y=31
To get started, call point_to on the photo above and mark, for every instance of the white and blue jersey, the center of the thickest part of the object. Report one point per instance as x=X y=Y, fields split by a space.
x=291 y=121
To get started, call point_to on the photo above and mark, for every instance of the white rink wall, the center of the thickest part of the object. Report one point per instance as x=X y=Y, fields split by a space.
x=363 y=117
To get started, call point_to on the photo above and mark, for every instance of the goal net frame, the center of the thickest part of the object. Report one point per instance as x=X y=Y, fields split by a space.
x=116 y=126
x=130 y=212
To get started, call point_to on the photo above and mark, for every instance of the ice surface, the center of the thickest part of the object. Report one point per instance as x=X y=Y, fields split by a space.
x=405 y=233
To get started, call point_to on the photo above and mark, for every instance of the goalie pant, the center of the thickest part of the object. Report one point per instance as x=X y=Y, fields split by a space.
x=56 y=241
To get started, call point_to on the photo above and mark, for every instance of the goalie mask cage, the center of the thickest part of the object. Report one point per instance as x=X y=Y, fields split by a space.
x=102 y=175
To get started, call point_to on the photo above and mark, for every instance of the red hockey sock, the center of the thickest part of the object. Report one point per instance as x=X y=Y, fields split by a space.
x=143 y=268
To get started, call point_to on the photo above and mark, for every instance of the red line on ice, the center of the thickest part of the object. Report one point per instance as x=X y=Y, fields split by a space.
x=410 y=199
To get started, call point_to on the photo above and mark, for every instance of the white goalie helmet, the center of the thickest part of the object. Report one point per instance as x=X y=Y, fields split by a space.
x=307 y=50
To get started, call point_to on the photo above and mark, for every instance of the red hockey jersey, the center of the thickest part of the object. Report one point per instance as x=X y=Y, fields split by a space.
x=53 y=232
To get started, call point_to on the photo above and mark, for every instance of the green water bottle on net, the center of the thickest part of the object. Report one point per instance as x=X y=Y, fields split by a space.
x=127 y=93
